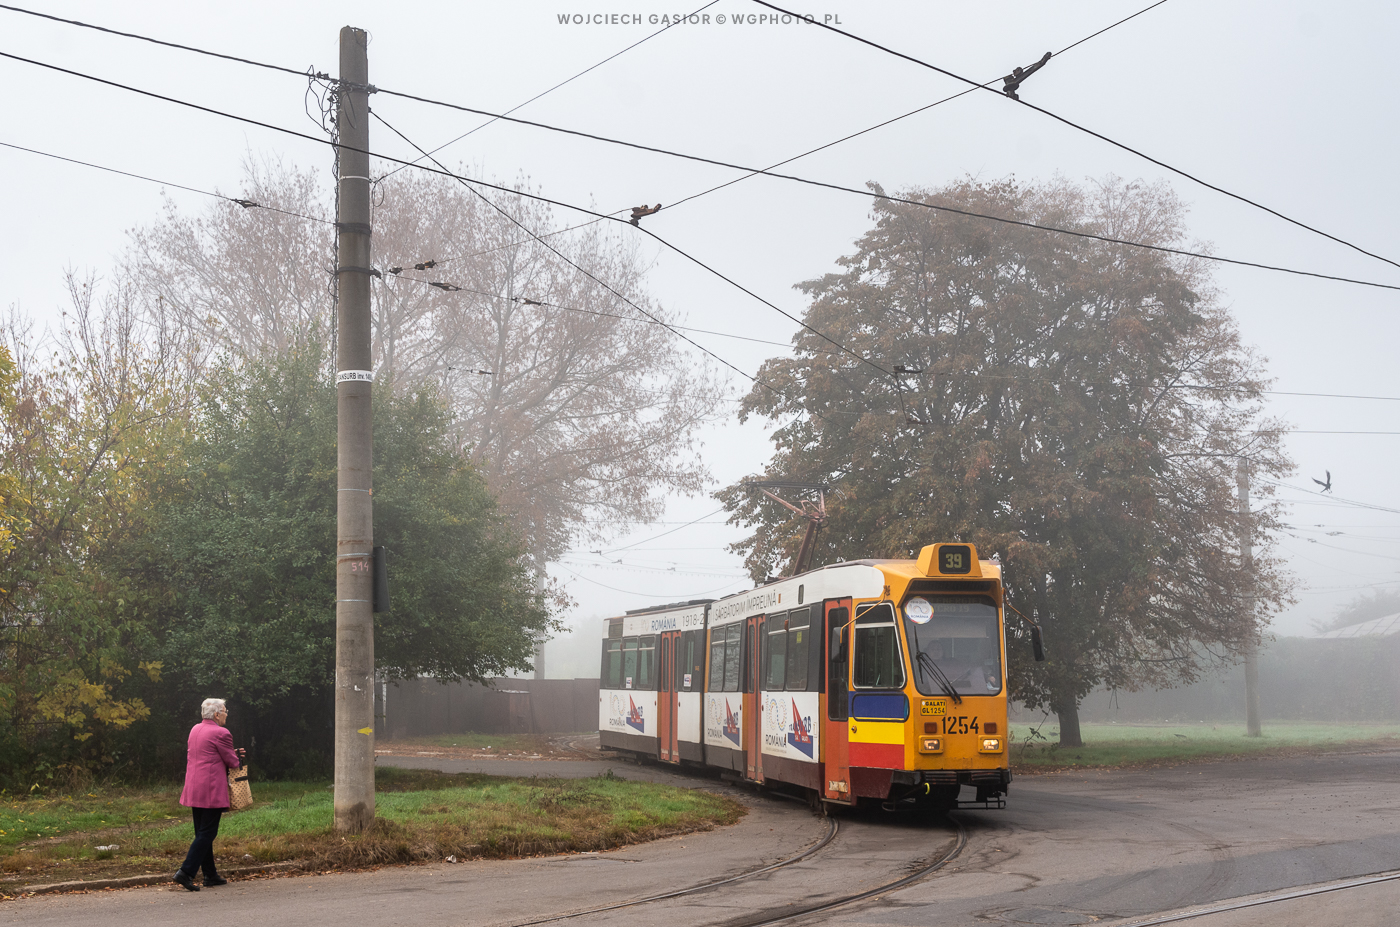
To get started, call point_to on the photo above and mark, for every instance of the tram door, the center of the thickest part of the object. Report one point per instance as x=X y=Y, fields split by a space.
x=667 y=699
x=836 y=744
x=753 y=699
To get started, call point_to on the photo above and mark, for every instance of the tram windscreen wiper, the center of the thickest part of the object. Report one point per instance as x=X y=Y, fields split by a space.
x=926 y=665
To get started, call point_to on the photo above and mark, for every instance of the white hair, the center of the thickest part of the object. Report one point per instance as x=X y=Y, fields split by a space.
x=211 y=707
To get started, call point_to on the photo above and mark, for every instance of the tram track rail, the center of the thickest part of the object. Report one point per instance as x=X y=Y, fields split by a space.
x=833 y=829
x=924 y=871
x=1287 y=894
x=958 y=845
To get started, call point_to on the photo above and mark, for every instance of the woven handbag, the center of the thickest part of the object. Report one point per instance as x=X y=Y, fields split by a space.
x=240 y=793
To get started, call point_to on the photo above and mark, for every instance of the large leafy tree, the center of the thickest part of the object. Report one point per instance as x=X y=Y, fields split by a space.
x=1075 y=407
x=93 y=415
x=244 y=543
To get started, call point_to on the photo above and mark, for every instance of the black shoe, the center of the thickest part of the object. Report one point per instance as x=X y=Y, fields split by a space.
x=182 y=879
x=216 y=880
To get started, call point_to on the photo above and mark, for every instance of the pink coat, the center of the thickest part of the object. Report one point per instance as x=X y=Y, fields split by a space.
x=207 y=764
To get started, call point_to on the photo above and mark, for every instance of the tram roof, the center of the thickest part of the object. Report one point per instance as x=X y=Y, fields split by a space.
x=666 y=608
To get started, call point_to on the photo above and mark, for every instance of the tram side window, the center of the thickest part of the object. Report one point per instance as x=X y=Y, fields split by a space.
x=733 y=644
x=612 y=664
x=775 y=673
x=878 y=664
x=837 y=704
x=629 y=663
x=686 y=662
x=799 y=644
x=646 y=663
x=717 y=637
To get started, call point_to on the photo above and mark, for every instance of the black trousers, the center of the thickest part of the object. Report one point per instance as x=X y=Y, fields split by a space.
x=206 y=828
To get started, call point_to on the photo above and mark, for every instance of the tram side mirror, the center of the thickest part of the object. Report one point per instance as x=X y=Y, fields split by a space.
x=1037 y=644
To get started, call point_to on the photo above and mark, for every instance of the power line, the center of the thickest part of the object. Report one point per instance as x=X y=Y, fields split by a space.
x=245 y=203
x=1088 y=131
x=664 y=533
x=495 y=118
x=864 y=193
x=887 y=122
x=560 y=254
x=1347 y=550
x=1328 y=496
x=465 y=181
x=146 y=38
x=677 y=250
x=1106 y=28
x=736 y=574
x=651 y=595
x=249 y=204
x=468 y=184
x=594 y=67
x=598 y=312
x=751 y=171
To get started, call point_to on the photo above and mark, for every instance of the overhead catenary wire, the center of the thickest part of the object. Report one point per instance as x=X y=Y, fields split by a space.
x=864 y=193
x=556 y=251
x=249 y=204
x=439 y=170
x=951 y=376
x=568 y=80
x=888 y=122
x=599 y=312
x=1337 y=500
x=312 y=72
x=652 y=595
x=664 y=533
x=154 y=41
x=243 y=202
x=574 y=264
x=1074 y=125
x=875 y=194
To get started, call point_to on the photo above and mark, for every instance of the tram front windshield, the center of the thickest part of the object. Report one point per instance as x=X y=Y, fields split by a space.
x=955 y=642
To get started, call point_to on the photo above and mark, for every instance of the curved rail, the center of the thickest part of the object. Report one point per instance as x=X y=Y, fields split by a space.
x=1287 y=894
x=879 y=889
x=703 y=886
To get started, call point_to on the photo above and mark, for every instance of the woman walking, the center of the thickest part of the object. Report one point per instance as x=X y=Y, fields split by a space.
x=210 y=757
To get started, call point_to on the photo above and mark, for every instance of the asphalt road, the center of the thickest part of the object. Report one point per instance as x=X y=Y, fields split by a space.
x=1105 y=847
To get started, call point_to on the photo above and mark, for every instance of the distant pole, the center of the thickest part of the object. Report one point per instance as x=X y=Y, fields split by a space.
x=1251 y=648
x=541 y=581
x=354 y=574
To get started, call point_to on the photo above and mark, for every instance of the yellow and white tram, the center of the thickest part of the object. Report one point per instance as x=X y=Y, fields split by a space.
x=871 y=680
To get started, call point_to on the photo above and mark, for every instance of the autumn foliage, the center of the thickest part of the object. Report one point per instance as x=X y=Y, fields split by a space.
x=1072 y=406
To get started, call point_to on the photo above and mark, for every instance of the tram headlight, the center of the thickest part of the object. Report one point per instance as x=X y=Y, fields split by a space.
x=991 y=744
x=931 y=745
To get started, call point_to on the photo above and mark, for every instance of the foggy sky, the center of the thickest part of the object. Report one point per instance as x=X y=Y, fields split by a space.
x=1288 y=103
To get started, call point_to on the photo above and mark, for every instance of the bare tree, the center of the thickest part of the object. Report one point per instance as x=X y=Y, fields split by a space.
x=249 y=279
x=586 y=410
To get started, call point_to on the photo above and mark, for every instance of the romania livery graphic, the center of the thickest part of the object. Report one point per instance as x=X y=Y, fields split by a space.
x=799 y=735
x=788 y=730
x=723 y=722
x=627 y=712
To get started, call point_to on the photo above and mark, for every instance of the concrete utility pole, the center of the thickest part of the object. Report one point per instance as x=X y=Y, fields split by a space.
x=354 y=573
x=1251 y=650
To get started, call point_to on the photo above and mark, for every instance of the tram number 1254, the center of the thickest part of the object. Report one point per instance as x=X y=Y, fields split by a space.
x=960 y=724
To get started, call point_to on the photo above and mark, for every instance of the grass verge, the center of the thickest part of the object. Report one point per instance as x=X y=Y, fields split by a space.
x=1110 y=745
x=526 y=744
x=421 y=815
